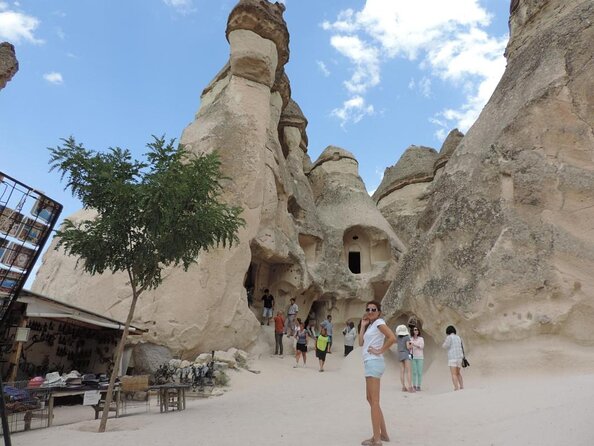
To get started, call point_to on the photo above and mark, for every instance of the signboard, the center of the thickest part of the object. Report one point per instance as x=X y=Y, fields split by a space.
x=91 y=398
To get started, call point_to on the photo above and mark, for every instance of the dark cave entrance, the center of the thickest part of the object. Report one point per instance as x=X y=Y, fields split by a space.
x=355 y=262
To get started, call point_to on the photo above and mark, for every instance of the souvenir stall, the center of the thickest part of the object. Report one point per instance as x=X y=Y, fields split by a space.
x=56 y=350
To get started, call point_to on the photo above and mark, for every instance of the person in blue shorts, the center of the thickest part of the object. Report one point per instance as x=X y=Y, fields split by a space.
x=376 y=338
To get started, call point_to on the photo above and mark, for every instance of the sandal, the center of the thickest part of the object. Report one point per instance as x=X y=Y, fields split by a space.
x=371 y=442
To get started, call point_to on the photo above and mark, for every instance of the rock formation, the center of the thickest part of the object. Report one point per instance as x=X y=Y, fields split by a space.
x=492 y=234
x=8 y=63
x=402 y=194
x=312 y=231
x=504 y=246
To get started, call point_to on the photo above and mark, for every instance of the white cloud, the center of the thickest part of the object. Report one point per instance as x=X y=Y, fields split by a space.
x=441 y=134
x=323 y=68
x=447 y=39
x=365 y=59
x=181 y=6
x=344 y=23
x=17 y=26
x=423 y=86
x=352 y=110
x=60 y=33
x=54 y=78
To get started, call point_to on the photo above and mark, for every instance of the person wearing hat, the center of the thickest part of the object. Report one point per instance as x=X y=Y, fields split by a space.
x=404 y=357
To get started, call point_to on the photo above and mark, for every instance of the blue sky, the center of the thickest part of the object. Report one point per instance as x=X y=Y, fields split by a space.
x=371 y=76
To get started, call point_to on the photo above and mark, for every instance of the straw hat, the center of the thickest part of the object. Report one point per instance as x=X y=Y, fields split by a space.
x=401 y=330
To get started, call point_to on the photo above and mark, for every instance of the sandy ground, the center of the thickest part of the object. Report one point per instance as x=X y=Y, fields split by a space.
x=286 y=406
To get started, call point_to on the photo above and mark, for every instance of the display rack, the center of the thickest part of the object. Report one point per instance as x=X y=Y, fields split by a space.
x=26 y=408
x=27 y=218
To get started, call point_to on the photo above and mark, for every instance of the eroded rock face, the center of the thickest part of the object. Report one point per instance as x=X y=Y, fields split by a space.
x=294 y=242
x=206 y=308
x=448 y=147
x=355 y=234
x=402 y=195
x=492 y=234
x=505 y=248
x=8 y=63
x=266 y=20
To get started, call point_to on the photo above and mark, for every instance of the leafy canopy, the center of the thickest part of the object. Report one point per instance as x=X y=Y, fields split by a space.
x=149 y=214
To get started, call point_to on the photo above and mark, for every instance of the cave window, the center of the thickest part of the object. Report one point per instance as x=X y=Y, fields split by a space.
x=355 y=262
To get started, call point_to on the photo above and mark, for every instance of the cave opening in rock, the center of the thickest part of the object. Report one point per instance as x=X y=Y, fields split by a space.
x=249 y=283
x=317 y=313
x=355 y=262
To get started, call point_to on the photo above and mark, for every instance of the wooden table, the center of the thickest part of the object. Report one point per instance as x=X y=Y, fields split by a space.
x=62 y=392
x=48 y=395
x=171 y=396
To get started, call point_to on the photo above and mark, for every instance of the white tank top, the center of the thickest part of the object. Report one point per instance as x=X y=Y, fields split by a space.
x=373 y=338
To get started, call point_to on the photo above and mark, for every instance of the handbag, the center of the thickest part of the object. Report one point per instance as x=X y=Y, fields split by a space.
x=465 y=362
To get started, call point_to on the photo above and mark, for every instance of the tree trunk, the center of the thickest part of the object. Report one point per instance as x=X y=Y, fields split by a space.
x=117 y=359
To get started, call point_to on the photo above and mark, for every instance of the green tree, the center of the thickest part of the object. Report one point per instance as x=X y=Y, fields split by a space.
x=149 y=215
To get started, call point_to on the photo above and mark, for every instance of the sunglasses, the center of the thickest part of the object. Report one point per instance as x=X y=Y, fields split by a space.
x=370 y=310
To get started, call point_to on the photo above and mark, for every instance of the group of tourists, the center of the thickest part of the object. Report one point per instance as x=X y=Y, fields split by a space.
x=376 y=338
x=323 y=341
x=294 y=327
x=410 y=355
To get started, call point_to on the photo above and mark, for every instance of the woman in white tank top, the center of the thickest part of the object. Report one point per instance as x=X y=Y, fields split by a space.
x=375 y=338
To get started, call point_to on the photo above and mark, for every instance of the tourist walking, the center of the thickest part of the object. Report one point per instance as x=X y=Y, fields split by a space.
x=404 y=357
x=279 y=329
x=453 y=344
x=418 y=345
x=291 y=315
x=310 y=320
x=327 y=324
x=375 y=338
x=268 y=300
x=350 y=333
x=311 y=330
x=301 y=347
x=322 y=347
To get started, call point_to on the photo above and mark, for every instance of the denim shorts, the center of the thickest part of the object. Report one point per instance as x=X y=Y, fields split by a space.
x=374 y=368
